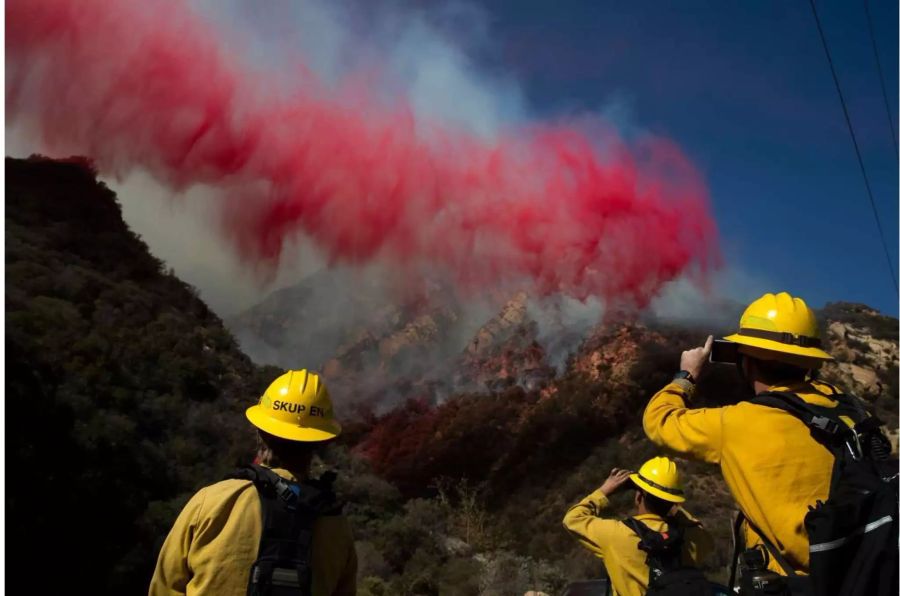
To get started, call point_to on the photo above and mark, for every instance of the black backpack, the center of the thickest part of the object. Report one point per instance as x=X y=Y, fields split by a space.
x=668 y=575
x=853 y=534
x=283 y=564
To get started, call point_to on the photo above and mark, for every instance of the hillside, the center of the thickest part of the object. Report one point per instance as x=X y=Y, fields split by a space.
x=530 y=453
x=124 y=392
x=529 y=439
x=371 y=341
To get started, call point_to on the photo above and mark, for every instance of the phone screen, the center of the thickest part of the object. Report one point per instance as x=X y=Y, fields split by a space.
x=724 y=351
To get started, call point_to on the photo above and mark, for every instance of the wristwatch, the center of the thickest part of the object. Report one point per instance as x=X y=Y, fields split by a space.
x=683 y=374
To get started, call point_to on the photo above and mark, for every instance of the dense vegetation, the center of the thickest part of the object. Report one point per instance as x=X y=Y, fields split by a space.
x=125 y=394
x=518 y=459
x=123 y=391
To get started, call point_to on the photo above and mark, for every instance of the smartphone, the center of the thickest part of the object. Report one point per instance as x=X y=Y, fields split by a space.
x=724 y=351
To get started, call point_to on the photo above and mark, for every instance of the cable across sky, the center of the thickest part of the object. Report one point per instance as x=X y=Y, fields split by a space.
x=862 y=167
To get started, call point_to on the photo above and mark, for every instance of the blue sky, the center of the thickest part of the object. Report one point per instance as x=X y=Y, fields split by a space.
x=744 y=88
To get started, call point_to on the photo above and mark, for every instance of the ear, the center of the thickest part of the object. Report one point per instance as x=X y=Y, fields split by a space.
x=638 y=497
x=263 y=451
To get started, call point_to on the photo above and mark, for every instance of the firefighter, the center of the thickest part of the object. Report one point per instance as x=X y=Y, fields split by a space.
x=216 y=539
x=774 y=469
x=657 y=498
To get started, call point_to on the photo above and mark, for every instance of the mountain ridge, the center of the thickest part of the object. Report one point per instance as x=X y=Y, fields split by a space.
x=454 y=485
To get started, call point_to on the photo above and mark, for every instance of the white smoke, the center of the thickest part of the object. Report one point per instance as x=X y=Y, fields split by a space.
x=432 y=57
x=422 y=55
x=719 y=305
x=429 y=57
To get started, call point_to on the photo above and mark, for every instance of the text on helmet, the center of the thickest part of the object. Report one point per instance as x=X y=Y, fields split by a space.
x=284 y=406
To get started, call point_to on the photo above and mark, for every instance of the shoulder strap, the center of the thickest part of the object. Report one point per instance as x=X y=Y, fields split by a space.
x=736 y=546
x=268 y=483
x=828 y=426
x=664 y=549
x=866 y=436
x=850 y=405
x=316 y=494
x=638 y=527
x=847 y=404
x=675 y=528
x=653 y=542
x=834 y=390
x=288 y=512
x=770 y=548
x=824 y=422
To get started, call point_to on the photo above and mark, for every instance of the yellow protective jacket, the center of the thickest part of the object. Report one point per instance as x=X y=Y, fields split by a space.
x=215 y=540
x=774 y=469
x=617 y=544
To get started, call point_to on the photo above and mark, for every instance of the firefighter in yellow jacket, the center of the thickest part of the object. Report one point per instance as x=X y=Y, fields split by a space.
x=214 y=542
x=774 y=469
x=657 y=500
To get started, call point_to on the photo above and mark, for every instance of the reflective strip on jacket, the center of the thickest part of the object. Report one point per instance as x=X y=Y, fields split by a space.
x=215 y=540
x=774 y=469
x=617 y=544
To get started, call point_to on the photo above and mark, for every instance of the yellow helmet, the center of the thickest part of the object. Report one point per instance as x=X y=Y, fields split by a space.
x=659 y=477
x=782 y=324
x=296 y=407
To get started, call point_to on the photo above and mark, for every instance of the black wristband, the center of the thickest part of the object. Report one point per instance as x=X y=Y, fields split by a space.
x=683 y=374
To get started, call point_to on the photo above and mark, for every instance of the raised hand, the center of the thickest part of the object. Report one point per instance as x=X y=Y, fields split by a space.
x=693 y=360
x=614 y=482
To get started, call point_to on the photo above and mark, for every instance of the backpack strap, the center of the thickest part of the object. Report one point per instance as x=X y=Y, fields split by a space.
x=770 y=548
x=864 y=438
x=316 y=493
x=736 y=546
x=638 y=527
x=289 y=511
x=647 y=538
x=675 y=531
x=663 y=548
x=824 y=422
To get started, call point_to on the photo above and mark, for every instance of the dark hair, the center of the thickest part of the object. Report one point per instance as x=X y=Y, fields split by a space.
x=286 y=452
x=773 y=372
x=654 y=504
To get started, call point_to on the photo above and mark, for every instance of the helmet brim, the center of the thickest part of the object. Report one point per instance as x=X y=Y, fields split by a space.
x=775 y=346
x=656 y=492
x=258 y=418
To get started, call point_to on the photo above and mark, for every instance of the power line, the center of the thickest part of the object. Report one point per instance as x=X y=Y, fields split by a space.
x=887 y=104
x=862 y=167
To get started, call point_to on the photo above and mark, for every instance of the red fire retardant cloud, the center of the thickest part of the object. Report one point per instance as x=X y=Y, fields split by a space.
x=151 y=85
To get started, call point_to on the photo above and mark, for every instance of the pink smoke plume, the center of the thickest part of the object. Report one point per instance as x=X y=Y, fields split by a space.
x=151 y=85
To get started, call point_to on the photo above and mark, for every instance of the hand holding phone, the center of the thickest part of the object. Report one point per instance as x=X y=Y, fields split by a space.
x=693 y=360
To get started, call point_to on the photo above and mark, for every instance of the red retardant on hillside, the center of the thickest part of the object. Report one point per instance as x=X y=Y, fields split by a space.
x=151 y=85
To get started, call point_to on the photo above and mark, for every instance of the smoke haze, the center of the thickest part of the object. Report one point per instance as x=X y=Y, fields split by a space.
x=376 y=142
x=559 y=209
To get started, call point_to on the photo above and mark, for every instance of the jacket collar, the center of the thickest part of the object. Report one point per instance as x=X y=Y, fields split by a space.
x=649 y=517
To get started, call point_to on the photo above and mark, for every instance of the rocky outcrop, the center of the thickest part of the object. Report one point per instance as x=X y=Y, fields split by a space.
x=864 y=345
x=512 y=317
x=610 y=351
x=505 y=351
